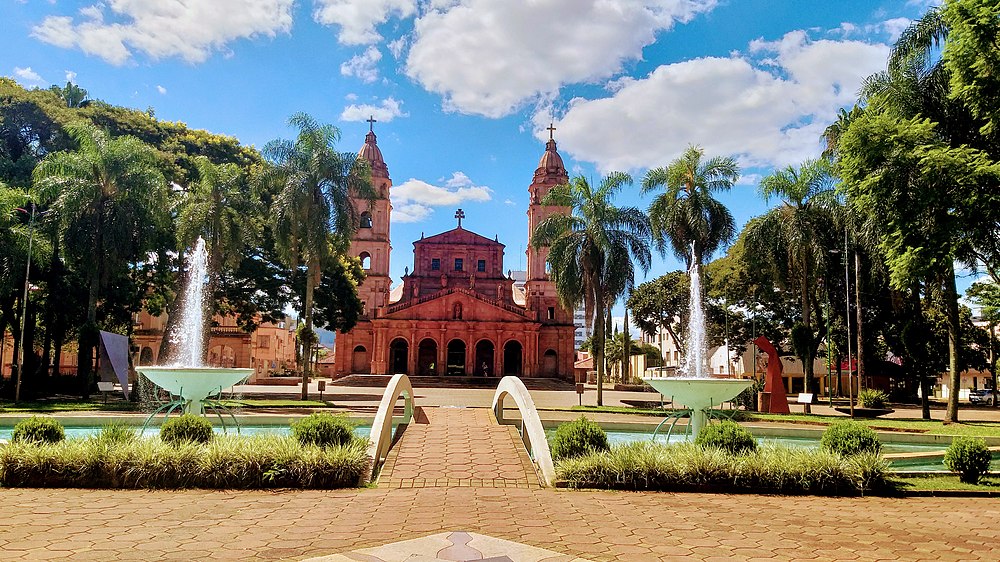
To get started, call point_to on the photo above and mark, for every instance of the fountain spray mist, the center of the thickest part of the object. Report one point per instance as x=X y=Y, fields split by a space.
x=189 y=333
x=696 y=359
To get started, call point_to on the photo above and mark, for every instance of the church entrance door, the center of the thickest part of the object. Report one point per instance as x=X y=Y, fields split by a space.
x=512 y=358
x=427 y=357
x=484 y=359
x=456 y=358
x=399 y=356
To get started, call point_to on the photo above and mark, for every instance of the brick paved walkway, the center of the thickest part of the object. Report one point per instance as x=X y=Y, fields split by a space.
x=458 y=447
x=196 y=525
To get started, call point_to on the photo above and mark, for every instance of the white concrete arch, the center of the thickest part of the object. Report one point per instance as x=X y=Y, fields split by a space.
x=532 y=431
x=381 y=435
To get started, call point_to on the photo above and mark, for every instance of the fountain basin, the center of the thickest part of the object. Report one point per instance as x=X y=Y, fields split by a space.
x=698 y=393
x=194 y=384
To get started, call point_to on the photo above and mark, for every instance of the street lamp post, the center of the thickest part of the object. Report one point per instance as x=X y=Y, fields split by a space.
x=847 y=298
x=24 y=304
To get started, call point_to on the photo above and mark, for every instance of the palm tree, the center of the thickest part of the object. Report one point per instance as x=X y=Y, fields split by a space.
x=789 y=243
x=110 y=197
x=686 y=214
x=74 y=96
x=313 y=214
x=218 y=208
x=592 y=251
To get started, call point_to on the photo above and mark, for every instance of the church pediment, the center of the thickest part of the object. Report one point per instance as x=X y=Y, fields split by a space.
x=458 y=236
x=456 y=304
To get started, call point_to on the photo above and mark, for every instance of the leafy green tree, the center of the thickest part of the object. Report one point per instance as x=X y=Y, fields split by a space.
x=592 y=251
x=110 y=197
x=313 y=216
x=790 y=243
x=972 y=57
x=686 y=214
x=73 y=95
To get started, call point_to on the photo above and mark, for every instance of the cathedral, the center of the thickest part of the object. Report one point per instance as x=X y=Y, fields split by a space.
x=456 y=312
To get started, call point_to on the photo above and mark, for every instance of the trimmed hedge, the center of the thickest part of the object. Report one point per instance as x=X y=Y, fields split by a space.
x=323 y=430
x=969 y=457
x=688 y=467
x=728 y=436
x=38 y=429
x=186 y=428
x=228 y=462
x=848 y=438
x=578 y=437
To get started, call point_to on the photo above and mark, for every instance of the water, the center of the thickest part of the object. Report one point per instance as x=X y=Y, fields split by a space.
x=188 y=335
x=696 y=358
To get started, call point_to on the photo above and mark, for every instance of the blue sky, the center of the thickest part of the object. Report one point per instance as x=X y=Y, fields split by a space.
x=463 y=89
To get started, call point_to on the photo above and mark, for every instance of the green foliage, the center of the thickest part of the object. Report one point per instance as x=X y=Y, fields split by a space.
x=228 y=462
x=38 y=429
x=116 y=433
x=971 y=56
x=748 y=398
x=186 y=428
x=848 y=438
x=577 y=438
x=323 y=430
x=772 y=469
x=728 y=436
x=872 y=398
x=969 y=457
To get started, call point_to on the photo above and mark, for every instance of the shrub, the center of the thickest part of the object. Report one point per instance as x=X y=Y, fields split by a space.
x=772 y=469
x=227 y=462
x=186 y=428
x=577 y=438
x=116 y=433
x=323 y=430
x=848 y=438
x=728 y=436
x=748 y=398
x=969 y=457
x=38 y=429
x=872 y=398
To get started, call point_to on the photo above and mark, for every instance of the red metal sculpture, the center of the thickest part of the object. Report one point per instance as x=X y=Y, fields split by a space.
x=773 y=384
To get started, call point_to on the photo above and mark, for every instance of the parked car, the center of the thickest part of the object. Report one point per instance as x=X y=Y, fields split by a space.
x=981 y=396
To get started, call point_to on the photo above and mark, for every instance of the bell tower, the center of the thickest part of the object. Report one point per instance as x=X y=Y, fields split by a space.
x=371 y=241
x=540 y=292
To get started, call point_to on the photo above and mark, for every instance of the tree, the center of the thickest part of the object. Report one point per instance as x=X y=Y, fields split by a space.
x=313 y=216
x=219 y=209
x=686 y=214
x=790 y=243
x=591 y=251
x=110 y=197
x=972 y=57
x=73 y=95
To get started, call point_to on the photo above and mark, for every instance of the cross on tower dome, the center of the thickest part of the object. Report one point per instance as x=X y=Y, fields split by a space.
x=371 y=123
x=460 y=214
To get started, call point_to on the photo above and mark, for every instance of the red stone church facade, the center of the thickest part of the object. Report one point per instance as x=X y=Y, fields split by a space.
x=457 y=312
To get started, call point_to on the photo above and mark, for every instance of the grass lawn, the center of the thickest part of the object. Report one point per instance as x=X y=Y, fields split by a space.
x=990 y=484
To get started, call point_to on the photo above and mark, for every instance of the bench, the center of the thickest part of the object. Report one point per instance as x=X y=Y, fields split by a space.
x=806 y=399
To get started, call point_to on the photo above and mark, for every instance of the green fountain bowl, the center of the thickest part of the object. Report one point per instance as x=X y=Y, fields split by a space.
x=194 y=384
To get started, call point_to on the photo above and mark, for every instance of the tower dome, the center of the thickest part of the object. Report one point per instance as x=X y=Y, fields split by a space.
x=373 y=155
x=550 y=166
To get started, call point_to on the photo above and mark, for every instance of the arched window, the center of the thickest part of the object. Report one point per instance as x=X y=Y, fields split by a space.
x=366 y=260
x=366 y=220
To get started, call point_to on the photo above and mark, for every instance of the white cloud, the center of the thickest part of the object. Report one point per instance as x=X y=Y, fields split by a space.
x=70 y=76
x=397 y=46
x=27 y=74
x=895 y=27
x=116 y=29
x=363 y=66
x=351 y=96
x=385 y=112
x=359 y=18
x=161 y=89
x=509 y=202
x=413 y=200
x=490 y=58
x=768 y=113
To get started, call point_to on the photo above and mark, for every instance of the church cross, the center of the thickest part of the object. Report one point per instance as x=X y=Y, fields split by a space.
x=550 y=129
x=460 y=214
x=371 y=123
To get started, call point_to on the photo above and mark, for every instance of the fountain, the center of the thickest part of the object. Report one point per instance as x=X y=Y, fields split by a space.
x=697 y=390
x=188 y=378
